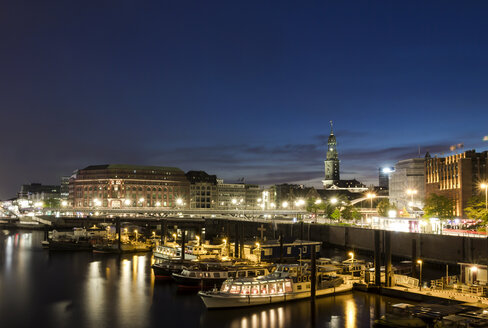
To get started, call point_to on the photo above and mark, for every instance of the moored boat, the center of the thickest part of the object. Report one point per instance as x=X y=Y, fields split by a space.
x=205 y=277
x=128 y=247
x=287 y=283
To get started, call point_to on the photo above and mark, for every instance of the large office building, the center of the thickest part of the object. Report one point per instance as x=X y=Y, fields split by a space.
x=407 y=184
x=118 y=186
x=39 y=192
x=203 y=189
x=457 y=177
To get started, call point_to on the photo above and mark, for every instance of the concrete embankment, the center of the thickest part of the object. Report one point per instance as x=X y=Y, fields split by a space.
x=440 y=249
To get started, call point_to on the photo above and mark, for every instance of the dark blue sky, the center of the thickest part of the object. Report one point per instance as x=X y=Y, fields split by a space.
x=237 y=88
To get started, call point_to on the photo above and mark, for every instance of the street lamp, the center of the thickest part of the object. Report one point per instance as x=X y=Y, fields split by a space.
x=371 y=195
x=135 y=231
x=419 y=261
x=411 y=192
x=284 y=204
x=485 y=186
x=174 y=237
x=318 y=201
x=333 y=201
x=351 y=254
x=127 y=202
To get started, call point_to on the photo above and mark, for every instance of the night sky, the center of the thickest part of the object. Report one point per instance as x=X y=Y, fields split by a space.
x=237 y=88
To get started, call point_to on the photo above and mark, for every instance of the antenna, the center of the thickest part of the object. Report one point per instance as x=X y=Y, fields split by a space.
x=331 y=130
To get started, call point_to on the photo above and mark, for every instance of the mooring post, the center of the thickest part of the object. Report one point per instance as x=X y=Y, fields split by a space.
x=281 y=247
x=301 y=230
x=414 y=258
x=313 y=278
x=183 y=235
x=377 y=258
x=241 y=248
x=388 y=274
x=236 y=241
x=118 y=231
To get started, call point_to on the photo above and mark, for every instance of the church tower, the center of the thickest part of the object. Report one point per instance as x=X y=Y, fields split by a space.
x=332 y=161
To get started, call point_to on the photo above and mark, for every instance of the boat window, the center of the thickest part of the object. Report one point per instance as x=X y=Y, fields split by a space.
x=241 y=274
x=288 y=288
x=251 y=274
x=308 y=286
x=299 y=286
x=192 y=274
x=304 y=249
x=272 y=288
x=260 y=272
x=288 y=250
x=216 y=275
x=235 y=289
x=280 y=287
x=246 y=290
x=264 y=288
x=255 y=289
x=225 y=287
x=231 y=274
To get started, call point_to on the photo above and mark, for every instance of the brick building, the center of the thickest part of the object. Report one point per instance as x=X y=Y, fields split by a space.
x=457 y=176
x=117 y=186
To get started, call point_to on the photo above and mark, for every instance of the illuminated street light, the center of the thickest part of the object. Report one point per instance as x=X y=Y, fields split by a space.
x=198 y=240
x=273 y=205
x=135 y=231
x=351 y=254
x=485 y=186
x=64 y=203
x=318 y=201
x=127 y=202
x=97 y=202
x=392 y=214
x=333 y=200
x=419 y=261
x=371 y=196
x=158 y=204
x=179 y=201
x=284 y=204
x=411 y=192
x=174 y=237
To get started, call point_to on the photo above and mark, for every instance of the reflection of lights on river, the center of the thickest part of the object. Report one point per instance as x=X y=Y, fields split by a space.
x=281 y=317
x=351 y=312
x=94 y=293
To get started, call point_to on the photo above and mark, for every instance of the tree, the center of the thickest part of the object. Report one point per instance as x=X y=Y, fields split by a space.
x=315 y=207
x=349 y=212
x=384 y=206
x=476 y=209
x=52 y=203
x=336 y=215
x=439 y=206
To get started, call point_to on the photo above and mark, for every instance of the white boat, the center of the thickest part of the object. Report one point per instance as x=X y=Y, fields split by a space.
x=287 y=283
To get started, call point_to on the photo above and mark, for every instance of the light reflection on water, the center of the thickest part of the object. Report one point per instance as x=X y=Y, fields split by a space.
x=82 y=289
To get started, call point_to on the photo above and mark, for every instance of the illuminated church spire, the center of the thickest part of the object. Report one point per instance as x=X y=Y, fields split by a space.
x=332 y=160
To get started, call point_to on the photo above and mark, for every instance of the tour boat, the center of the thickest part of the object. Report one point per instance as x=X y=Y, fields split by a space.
x=287 y=283
x=205 y=277
x=164 y=269
x=128 y=247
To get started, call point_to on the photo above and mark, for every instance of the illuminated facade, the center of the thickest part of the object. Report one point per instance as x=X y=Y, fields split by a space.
x=332 y=173
x=457 y=177
x=119 y=186
x=407 y=184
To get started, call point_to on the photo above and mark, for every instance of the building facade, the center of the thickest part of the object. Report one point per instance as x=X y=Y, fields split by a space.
x=406 y=184
x=39 y=192
x=457 y=177
x=203 y=189
x=118 y=186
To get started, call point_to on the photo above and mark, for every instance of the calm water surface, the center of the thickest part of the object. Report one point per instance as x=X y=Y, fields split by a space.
x=39 y=288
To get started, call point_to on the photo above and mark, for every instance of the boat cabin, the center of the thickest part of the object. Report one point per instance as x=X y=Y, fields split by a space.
x=473 y=274
x=257 y=287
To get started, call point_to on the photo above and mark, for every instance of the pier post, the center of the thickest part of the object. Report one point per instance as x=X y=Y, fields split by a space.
x=377 y=258
x=242 y=241
x=164 y=231
x=301 y=230
x=118 y=231
x=414 y=258
x=313 y=278
x=281 y=247
x=183 y=235
x=388 y=273
x=236 y=241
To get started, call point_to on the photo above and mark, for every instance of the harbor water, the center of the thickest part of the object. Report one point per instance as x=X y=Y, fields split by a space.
x=39 y=288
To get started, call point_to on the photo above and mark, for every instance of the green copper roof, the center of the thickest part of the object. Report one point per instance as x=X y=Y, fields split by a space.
x=131 y=167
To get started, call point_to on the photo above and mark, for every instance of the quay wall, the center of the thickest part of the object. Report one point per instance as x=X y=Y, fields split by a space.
x=431 y=248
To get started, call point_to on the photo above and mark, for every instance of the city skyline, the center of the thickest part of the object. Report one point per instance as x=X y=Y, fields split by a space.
x=237 y=90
